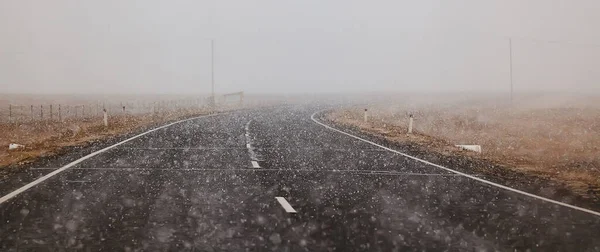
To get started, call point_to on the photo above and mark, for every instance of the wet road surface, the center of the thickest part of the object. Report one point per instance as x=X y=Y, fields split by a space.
x=274 y=180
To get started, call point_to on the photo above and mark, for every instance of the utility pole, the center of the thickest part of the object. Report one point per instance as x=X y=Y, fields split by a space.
x=212 y=69
x=511 y=69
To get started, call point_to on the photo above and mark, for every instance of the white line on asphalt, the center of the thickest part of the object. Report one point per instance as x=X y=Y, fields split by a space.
x=247 y=133
x=255 y=164
x=243 y=148
x=457 y=172
x=184 y=148
x=359 y=172
x=69 y=165
x=251 y=152
x=286 y=206
x=247 y=127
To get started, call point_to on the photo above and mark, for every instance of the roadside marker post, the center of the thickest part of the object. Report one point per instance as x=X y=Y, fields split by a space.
x=410 y=124
x=105 y=118
x=366 y=116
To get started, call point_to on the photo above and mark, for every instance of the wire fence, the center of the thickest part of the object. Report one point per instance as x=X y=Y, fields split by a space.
x=21 y=113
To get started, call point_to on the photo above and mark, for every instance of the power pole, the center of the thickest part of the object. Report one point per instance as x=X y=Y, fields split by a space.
x=511 y=69
x=212 y=69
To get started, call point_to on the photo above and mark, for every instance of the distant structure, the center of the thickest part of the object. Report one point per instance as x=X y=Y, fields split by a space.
x=240 y=94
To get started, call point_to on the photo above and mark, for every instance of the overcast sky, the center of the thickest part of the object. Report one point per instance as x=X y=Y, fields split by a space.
x=301 y=46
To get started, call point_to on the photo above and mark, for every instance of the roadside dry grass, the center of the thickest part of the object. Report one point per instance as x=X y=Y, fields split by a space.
x=556 y=138
x=46 y=138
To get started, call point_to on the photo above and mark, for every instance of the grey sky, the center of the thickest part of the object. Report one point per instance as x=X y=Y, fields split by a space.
x=309 y=46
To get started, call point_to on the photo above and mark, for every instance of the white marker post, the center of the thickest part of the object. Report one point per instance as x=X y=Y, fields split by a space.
x=366 y=117
x=105 y=118
x=410 y=124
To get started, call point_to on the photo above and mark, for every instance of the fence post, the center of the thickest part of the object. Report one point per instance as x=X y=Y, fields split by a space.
x=31 y=113
x=366 y=116
x=410 y=124
x=59 y=114
x=9 y=112
x=83 y=111
x=42 y=112
x=50 y=112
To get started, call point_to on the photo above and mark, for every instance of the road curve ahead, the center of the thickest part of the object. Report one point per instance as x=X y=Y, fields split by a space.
x=272 y=179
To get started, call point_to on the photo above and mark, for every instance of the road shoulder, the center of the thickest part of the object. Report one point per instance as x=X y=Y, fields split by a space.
x=439 y=152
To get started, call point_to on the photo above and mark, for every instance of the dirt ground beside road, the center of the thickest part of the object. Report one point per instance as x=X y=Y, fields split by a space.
x=555 y=137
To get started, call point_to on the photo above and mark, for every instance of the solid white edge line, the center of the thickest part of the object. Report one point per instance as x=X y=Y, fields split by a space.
x=457 y=172
x=69 y=165
x=255 y=164
x=285 y=204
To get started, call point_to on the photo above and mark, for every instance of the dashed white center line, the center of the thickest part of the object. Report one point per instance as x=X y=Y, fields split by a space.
x=253 y=155
x=247 y=127
x=286 y=206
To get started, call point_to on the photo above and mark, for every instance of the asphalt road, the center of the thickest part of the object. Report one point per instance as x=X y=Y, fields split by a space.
x=272 y=179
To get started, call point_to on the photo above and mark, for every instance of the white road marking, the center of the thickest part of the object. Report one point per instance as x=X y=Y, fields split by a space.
x=251 y=152
x=457 y=172
x=247 y=127
x=286 y=206
x=69 y=165
x=184 y=148
x=255 y=164
x=244 y=148
x=359 y=172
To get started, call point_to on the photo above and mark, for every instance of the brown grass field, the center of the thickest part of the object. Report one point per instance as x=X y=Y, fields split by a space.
x=551 y=136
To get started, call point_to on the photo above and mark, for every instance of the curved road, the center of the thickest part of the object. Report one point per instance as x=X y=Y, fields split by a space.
x=271 y=179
